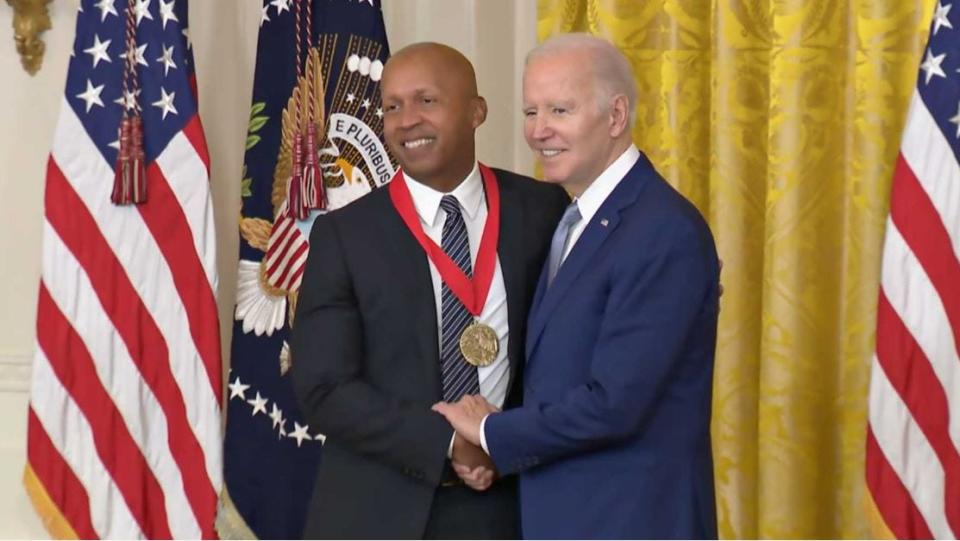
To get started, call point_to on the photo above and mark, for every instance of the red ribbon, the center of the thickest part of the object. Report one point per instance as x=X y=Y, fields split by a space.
x=472 y=293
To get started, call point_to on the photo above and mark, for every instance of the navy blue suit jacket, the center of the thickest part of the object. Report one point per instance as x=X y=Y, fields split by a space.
x=613 y=439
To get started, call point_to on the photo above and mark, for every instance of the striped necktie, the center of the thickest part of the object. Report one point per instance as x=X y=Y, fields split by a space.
x=458 y=376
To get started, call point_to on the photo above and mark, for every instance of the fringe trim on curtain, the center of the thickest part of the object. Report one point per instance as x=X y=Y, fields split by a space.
x=53 y=520
x=230 y=525
x=878 y=526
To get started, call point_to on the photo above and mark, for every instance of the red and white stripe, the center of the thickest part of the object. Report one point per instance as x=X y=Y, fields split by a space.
x=913 y=440
x=125 y=400
x=286 y=253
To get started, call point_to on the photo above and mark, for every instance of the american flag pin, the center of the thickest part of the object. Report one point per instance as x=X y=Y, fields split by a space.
x=604 y=222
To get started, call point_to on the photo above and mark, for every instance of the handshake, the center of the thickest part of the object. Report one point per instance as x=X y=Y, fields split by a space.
x=470 y=461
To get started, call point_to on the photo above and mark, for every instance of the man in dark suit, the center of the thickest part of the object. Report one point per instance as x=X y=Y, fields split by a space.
x=613 y=438
x=413 y=294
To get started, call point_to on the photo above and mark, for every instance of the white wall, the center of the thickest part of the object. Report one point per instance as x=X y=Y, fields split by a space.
x=28 y=112
x=494 y=34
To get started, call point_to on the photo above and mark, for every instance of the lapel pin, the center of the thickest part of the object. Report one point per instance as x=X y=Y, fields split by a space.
x=604 y=222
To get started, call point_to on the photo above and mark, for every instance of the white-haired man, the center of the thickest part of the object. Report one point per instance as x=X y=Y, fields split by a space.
x=613 y=438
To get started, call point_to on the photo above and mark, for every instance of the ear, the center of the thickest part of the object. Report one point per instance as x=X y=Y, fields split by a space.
x=619 y=115
x=479 y=111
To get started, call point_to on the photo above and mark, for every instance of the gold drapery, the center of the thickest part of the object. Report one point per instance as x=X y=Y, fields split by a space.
x=780 y=120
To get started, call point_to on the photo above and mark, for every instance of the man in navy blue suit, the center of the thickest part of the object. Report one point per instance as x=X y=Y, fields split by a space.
x=613 y=438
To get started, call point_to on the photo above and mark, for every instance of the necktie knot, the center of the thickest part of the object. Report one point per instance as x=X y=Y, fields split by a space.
x=450 y=205
x=571 y=216
x=560 y=239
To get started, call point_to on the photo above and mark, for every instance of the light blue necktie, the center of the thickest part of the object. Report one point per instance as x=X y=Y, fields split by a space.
x=560 y=239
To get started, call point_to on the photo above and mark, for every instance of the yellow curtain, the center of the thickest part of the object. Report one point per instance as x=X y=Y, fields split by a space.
x=780 y=120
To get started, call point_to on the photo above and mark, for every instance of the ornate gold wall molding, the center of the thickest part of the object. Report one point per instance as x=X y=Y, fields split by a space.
x=30 y=20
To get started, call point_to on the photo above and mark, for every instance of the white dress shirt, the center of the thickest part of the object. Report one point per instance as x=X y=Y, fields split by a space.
x=589 y=203
x=494 y=377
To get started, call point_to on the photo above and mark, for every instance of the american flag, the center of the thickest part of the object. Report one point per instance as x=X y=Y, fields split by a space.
x=913 y=438
x=124 y=428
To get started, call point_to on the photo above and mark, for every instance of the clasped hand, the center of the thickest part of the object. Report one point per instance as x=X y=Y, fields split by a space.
x=470 y=462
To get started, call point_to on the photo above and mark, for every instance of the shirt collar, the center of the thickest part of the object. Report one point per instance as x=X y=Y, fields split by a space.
x=427 y=200
x=590 y=200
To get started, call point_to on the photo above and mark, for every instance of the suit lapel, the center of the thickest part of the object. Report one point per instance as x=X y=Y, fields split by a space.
x=510 y=252
x=537 y=299
x=580 y=256
x=411 y=269
x=601 y=226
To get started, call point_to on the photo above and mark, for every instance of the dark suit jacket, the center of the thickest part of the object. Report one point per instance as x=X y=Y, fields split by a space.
x=366 y=365
x=613 y=438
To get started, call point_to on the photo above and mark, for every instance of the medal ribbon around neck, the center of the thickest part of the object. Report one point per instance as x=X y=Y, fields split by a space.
x=472 y=293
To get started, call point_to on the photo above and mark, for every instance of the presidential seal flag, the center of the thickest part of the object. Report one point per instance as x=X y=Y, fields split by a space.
x=313 y=145
x=124 y=427
x=913 y=436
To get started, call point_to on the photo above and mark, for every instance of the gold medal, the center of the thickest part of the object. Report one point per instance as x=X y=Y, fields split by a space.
x=479 y=344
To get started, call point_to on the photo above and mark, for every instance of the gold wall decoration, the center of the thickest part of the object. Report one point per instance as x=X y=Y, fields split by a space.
x=30 y=20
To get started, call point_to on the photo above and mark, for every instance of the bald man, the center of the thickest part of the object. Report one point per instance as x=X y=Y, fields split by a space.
x=414 y=294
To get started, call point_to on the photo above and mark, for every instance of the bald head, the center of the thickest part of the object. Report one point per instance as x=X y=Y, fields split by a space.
x=440 y=57
x=431 y=111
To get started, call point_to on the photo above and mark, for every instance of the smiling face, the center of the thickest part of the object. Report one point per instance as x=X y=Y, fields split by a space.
x=430 y=113
x=573 y=129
